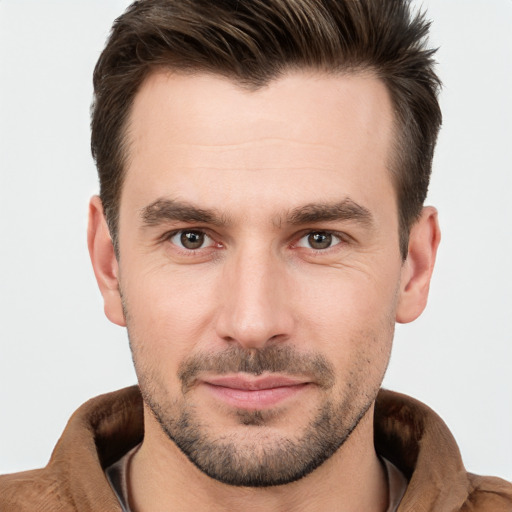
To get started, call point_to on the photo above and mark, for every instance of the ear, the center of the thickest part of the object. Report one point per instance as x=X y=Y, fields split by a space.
x=417 y=269
x=104 y=262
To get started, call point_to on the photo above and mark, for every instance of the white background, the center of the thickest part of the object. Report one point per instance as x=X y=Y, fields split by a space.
x=56 y=347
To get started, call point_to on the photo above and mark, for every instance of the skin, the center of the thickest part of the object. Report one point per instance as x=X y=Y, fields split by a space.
x=256 y=162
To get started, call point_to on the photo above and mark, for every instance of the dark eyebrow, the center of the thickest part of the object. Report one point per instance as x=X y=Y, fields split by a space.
x=324 y=212
x=165 y=210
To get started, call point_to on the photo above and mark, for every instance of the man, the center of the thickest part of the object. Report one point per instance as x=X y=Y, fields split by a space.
x=259 y=230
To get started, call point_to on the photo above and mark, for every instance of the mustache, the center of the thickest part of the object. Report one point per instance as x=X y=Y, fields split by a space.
x=272 y=359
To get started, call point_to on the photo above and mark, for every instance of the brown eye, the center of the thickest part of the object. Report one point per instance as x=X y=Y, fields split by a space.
x=190 y=239
x=320 y=240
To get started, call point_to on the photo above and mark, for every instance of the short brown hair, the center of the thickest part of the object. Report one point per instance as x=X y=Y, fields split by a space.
x=255 y=41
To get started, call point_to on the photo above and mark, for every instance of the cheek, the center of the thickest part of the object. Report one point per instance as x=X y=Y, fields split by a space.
x=167 y=311
x=347 y=298
x=350 y=318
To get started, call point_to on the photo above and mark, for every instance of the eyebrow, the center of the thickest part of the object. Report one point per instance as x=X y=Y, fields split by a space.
x=346 y=210
x=165 y=210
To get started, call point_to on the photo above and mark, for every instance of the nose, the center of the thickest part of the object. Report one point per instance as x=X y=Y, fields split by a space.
x=254 y=307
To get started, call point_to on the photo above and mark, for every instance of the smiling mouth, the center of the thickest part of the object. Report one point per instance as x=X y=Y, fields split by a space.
x=249 y=392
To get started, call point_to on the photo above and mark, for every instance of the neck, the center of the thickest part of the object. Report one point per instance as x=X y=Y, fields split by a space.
x=353 y=479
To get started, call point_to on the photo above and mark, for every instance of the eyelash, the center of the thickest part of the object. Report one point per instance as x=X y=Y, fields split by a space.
x=341 y=237
x=167 y=237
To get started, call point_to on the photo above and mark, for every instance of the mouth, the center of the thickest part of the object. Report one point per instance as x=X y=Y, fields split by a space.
x=246 y=391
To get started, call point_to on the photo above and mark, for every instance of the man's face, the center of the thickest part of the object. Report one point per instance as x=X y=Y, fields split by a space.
x=259 y=266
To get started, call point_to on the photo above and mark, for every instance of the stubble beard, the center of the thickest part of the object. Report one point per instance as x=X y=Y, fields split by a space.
x=261 y=457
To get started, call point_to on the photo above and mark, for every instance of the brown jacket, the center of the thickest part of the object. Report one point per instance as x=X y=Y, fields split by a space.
x=407 y=433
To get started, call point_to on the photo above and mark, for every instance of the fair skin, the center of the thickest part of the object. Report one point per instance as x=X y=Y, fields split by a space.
x=260 y=224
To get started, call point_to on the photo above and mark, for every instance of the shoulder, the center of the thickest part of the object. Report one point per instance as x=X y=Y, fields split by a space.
x=488 y=493
x=98 y=433
x=31 y=490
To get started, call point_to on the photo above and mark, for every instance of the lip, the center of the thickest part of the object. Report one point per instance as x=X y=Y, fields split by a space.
x=249 y=392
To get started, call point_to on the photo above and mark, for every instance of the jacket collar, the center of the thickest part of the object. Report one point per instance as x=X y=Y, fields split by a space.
x=407 y=433
x=418 y=442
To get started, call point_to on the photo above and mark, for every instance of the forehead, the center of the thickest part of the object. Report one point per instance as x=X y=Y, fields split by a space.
x=300 y=133
x=204 y=108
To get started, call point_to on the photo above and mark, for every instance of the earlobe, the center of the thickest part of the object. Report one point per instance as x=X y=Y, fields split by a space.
x=417 y=270
x=104 y=262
